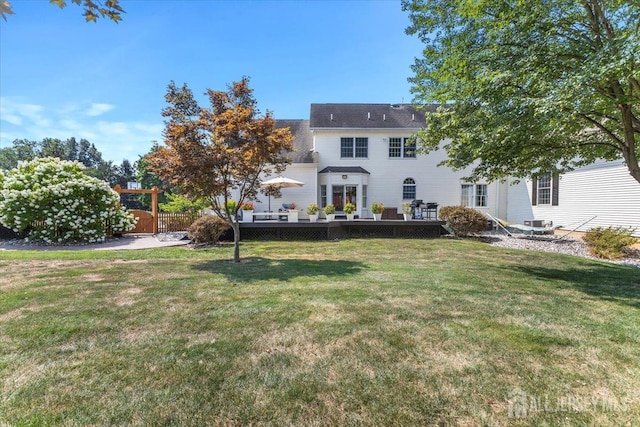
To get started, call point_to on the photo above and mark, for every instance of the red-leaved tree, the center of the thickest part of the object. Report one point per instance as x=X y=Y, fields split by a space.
x=212 y=152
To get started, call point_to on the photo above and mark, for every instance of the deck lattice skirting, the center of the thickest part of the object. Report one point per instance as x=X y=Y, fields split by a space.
x=338 y=230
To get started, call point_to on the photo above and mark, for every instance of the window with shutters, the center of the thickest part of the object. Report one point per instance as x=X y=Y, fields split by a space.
x=545 y=190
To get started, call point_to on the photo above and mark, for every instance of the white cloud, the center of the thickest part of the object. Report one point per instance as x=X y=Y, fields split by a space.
x=97 y=109
x=71 y=124
x=14 y=119
x=33 y=113
x=113 y=128
x=115 y=139
x=17 y=113
x=154 y=128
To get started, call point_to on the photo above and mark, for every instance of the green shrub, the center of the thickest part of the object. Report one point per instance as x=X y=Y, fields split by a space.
x=329 y=209
x=231 y=207
x=313 y=209
x=377 y=207
x=207 y=229
x=349 y=208
x=463 y=221
x=177 y=203
x=610 y=242
x=53 y=200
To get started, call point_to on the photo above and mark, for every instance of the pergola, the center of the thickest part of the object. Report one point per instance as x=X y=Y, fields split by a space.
x=154 y=201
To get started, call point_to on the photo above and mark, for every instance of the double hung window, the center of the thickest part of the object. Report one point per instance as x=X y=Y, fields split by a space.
x=354 y=147
x=545 y=190
x=474 y=195
x=402 y=148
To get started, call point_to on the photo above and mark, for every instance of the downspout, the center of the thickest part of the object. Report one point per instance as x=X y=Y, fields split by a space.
x=496 y=211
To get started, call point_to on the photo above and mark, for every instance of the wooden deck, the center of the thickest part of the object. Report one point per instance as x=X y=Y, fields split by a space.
x=339 y=229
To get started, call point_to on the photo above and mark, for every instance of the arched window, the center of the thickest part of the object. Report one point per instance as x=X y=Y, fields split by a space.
x=409 y=189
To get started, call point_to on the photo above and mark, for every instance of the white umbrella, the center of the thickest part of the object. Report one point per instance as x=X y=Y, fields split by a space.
x=280 y=182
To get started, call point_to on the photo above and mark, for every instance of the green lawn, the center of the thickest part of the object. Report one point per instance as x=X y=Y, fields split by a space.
x=357 y=332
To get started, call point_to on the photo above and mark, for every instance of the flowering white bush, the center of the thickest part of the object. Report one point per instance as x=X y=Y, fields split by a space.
x=53 y=200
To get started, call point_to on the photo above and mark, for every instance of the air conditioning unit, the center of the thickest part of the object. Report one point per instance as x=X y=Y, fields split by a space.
x=534 y=223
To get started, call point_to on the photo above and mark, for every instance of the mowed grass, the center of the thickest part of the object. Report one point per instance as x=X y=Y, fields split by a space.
x=356 y=332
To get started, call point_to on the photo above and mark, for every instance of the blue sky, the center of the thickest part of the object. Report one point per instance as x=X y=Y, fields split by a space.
x=62 y=77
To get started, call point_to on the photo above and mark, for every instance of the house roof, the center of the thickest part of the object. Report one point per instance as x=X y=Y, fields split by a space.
x=344 y=169
x=303 y=142
x=368 y=116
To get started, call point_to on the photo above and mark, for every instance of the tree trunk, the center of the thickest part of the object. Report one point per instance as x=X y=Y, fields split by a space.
x=236 y=240
x=629 y=148
x=634 y=169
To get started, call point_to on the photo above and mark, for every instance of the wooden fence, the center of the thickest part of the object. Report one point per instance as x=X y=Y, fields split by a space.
x=167 y=222
x=171 y=222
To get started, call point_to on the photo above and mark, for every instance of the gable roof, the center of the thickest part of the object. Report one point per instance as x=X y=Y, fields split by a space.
x=368 y=116
x=303 y=141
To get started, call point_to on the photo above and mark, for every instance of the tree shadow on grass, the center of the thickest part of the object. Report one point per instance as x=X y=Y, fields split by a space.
x=258 y=268
x=620 y=284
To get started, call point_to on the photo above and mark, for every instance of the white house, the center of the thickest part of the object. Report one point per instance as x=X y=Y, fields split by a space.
x=599 y=195
x=360 y=153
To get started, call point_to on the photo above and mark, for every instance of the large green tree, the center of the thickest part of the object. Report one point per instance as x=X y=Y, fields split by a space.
x=92 y=9
x=69 y=149
x=212 y=153
x=529 y=87
x=8 y=159
x=148 y=179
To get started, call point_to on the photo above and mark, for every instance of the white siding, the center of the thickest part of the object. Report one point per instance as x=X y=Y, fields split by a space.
x=301 y=196
x=518 y=202
x=604 y=190
x=433 y=183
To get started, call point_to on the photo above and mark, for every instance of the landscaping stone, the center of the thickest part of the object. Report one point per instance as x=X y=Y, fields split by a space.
x=553 y=243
